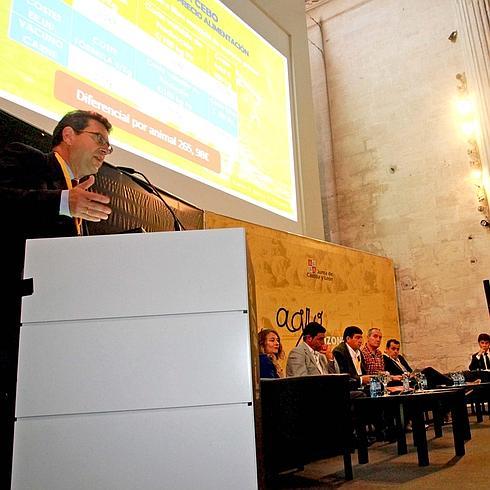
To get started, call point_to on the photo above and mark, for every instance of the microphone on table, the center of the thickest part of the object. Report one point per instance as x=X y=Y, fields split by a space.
x=178 y=226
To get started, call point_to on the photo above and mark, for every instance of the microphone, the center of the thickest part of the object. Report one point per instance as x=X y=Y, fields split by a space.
x=128 y=170
x=178 y=226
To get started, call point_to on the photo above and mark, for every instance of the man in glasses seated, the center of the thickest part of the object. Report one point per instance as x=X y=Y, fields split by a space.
x=41 y=196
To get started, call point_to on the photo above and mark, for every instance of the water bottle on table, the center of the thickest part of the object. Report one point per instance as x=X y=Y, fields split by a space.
x=406 y=381
x=374 y=387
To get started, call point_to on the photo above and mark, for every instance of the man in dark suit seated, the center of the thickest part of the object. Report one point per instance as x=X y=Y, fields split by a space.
x=480 y=360
x=397 y=365
x=349 y=358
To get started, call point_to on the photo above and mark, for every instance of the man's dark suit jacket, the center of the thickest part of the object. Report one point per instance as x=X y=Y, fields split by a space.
x=393 y=368
x=434 y=377
x=476 y=364
x=30 y=189
x=346 y=364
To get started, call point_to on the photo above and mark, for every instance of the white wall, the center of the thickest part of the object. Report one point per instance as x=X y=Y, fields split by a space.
x=401 y=167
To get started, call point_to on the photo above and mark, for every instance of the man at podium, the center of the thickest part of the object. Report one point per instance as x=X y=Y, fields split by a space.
x=41 y=196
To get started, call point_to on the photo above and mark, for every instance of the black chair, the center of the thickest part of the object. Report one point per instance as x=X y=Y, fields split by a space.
x=305 y=419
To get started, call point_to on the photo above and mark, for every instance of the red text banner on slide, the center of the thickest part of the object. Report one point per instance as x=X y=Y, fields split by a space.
x=82 y=96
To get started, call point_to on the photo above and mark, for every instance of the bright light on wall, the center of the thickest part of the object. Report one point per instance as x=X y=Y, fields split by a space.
x=466 y=116
x=467 y=119
x=465 y=107
x=470 y=128
x=476 y=174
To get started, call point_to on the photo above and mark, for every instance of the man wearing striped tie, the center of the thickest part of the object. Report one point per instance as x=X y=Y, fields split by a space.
x=38 y=200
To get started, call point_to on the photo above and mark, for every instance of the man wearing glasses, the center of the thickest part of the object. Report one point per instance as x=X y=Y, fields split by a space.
x=40 y=197
x=41 y=190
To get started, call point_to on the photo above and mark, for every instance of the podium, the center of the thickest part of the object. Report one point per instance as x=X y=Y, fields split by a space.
x=134 y=364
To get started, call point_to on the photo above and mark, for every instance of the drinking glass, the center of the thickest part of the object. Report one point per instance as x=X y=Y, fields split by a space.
x=418 y=381
x=384 y=377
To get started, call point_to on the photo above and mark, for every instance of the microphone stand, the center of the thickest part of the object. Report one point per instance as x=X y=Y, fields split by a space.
x=178 y=226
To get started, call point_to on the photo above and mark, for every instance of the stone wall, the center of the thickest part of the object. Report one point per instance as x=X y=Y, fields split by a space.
x=397 y=164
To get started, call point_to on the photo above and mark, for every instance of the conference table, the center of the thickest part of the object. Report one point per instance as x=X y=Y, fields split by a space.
x=414 y=405
x=479 y=394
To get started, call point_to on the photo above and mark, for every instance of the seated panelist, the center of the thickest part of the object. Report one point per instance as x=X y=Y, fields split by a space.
x=311 y=357
x=397 y=365
x=349 y=358
x=372 y=355
x=481 y=359
x=270 y=352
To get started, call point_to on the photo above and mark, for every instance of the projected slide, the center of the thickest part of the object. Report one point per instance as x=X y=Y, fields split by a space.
x=186 y=84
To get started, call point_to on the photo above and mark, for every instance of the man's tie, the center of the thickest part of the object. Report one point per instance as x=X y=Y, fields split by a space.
x=316 y=355
x=70 y=183
x=358 y=363
x=486 y=363
x=78 y=221
x=402 y=367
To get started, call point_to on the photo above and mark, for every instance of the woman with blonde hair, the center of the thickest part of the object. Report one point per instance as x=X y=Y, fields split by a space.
x=270 y=352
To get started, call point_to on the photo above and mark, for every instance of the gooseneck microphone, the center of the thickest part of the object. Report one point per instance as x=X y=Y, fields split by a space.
x=129 y=170
x=178 y=226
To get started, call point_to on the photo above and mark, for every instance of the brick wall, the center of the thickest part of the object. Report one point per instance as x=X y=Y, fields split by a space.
x=390 y=141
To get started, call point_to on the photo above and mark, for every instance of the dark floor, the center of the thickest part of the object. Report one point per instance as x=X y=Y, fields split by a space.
x=388 y=470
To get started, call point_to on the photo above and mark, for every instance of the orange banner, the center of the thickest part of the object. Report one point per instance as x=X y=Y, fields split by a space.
x=82 y=96
x=298 y=280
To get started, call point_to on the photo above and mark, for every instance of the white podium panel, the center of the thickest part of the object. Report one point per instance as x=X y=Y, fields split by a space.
x=134 y=364
x=138 y=274
x=130 y=364
x=206 y=449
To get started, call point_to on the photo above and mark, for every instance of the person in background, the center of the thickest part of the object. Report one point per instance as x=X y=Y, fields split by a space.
x=41 y=198
x=394 y=362
x=481 y=359
x=373 y=357
x=310 y=357
x=270 y=352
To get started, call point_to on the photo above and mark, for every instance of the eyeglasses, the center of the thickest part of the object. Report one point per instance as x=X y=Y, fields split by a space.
x=100 y=140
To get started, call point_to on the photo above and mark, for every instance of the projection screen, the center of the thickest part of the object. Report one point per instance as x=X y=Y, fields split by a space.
x=198 y=97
